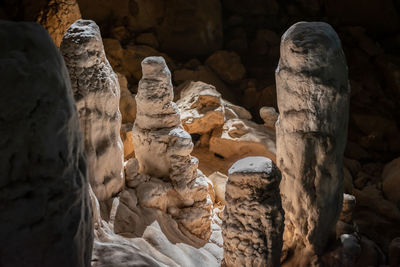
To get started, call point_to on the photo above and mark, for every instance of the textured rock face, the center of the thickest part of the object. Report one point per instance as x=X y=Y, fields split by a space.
x=313 y=100
x=97 y=94
x=201 y=108
x=57 y=16
x=45 y=214
x=253 y=218
x=391 y=181
x=168 y=178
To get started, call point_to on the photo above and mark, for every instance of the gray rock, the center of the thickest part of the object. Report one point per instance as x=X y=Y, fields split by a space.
x=313 y=100
x=97 y=94
x=45 y=212
x=253 y=217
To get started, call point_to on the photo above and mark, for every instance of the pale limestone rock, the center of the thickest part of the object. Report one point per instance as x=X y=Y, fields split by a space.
x=227 y=66
x=45 y=214
x=391 y=181
x=201 y=108
x=313 y=100
x=96 y=92
x=173 y=184
x=253 y=217
x=57 y=15
x=239 y=138
x=219 y=181
x=269 y=116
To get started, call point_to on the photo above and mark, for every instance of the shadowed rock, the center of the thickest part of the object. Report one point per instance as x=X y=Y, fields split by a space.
x=45 y=213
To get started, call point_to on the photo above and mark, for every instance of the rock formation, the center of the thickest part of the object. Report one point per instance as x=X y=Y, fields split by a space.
x=57 y=15
x=96 y=92
x=162 y=148
x=346 y=225
x=253 y=218
x=45 y=214
x=313 y=100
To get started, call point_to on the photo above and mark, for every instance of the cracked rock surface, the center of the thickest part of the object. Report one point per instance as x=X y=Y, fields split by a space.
x=97 y=94
x=253 y=217
x=313 y=100
x=45 y=213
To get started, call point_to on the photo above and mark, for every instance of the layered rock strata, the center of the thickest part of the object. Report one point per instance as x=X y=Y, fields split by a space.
x=253 y=217
x=45 y=213
x=97 y=93
x=313 y=100
x=170 y=180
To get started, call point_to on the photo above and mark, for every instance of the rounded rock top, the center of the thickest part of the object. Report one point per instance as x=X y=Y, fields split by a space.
x=155 y=67
x=252 y=165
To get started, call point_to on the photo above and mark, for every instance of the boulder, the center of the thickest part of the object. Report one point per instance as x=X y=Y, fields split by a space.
x=219 y=181
x=313 y=99
x=269 y=116
x=191 y=28
x=97 y=95
x=45 y=214
x=391 y=181
x=227 y=66
x=201 y=108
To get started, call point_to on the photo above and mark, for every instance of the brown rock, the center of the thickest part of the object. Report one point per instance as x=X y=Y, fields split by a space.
x=45 y=214
x=147 y=38
x=127 y=102
x=191 y=28
x=391 y=181
x=227 y=66
x=201 y=108
x=127 y=140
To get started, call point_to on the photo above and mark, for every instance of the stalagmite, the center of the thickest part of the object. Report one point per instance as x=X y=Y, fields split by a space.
x=45 y=214
x=162 y=148
x=96 y=91
x=313 y=100
x=253 y=217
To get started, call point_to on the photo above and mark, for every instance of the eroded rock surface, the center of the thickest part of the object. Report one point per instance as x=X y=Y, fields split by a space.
x=45 y=213
x=313 y=100
x=253 y=217
x=97 y=94
x=172 y=182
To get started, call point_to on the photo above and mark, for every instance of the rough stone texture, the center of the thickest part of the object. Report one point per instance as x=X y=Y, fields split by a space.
x=269 y=116
x=57 y=15
x=45 y=214
x=170 y=179
x=201 y=108
x=313 y=100
x=253 y=217
x=241 y=137
x=227 y=65
x=127 y=140
x=97 y=94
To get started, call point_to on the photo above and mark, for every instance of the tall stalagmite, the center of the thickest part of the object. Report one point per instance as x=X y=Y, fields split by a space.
x=253 y=217
x=163 y=148
x=96 y=91
x=313 y=100
x=45 y=213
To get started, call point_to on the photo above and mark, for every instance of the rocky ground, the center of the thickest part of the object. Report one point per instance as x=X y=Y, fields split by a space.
x=222 y=56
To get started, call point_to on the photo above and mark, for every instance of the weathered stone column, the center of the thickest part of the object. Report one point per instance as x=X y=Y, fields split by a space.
x=45 y=212
x=253 y=217
x=163 y=147
x=313 y=100
x=96 y=92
